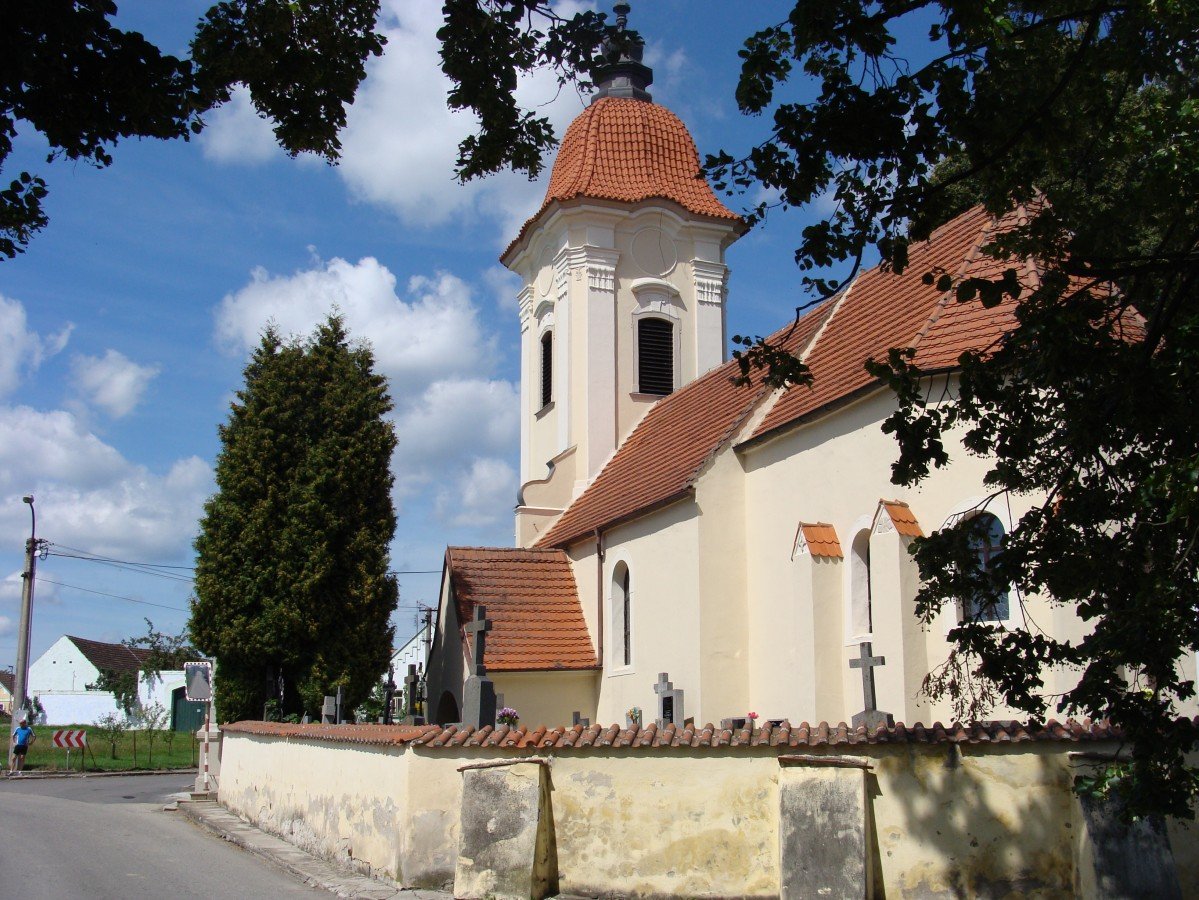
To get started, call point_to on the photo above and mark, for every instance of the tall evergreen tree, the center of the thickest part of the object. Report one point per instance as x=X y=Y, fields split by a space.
x=292 y=586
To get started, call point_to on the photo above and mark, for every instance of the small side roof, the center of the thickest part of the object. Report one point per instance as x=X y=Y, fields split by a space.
x=532 y=603
x=819 y=539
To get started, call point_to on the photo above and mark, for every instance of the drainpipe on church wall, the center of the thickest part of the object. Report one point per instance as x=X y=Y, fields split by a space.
x=599 y=596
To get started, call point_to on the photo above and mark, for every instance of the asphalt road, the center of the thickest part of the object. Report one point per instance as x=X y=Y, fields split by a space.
x=110 y=838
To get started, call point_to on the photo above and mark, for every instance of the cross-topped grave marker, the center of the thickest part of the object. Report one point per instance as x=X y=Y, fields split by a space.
x=477 y=628
x=412 y=697
x=478 y=695
x=670 y=701
x=870 y=716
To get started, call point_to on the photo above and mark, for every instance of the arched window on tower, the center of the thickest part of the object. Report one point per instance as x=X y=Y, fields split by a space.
x=986 y=540
x=547 y=368
x=860 y=612
x=655 y=356
x=622 y=616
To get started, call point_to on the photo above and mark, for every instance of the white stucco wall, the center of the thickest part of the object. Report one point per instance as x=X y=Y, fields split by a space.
x=973 y=820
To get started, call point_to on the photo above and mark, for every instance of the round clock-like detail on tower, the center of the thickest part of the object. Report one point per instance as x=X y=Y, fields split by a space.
x=654 y=251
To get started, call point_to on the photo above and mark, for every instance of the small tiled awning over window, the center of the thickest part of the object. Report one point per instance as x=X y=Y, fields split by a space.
x=818 y=539
x=902 y=518
x=532 y=603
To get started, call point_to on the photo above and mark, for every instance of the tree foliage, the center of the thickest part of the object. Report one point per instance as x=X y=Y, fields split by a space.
x=84 y=84
x=292 y=585
x=1085 y=117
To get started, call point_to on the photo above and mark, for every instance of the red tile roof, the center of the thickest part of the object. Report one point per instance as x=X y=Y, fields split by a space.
x=902 y=518
x=532 y=603
x=114 y=657
x=665 y=454
x=881 y=310
x=782 y=737
x=821 y=539
x=628 y=151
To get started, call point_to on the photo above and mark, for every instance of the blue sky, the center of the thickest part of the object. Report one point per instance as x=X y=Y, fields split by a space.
x=125 y=327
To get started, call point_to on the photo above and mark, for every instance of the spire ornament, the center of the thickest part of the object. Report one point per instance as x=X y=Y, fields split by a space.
x=623 y=73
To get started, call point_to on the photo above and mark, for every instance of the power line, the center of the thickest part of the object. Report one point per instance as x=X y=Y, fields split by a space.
x=76 y=587
x=137 y=568
x=127 y=562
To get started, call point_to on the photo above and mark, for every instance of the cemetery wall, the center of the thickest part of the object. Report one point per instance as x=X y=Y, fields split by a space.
x=940 y=818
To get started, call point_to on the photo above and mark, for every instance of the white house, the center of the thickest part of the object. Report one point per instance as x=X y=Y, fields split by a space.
x=60 y=677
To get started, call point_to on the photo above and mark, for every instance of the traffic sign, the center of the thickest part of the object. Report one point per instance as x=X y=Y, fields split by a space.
x=197 y=680
x=69 y=738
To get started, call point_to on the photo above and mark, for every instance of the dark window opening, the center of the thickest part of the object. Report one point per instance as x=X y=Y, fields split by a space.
x=627 y=616
x=986 y=540
x=655 y=357
x=547 y=368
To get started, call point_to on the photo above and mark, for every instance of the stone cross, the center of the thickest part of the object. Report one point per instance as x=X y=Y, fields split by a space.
x=670 y=702
x=411 y=680
x=478 y=694
x=477 y=629
x=870 y=716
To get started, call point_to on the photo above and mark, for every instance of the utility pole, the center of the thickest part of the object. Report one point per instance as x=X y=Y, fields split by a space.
x=21 y=675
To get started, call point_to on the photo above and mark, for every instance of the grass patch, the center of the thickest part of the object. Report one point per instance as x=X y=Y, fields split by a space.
x=169 y=750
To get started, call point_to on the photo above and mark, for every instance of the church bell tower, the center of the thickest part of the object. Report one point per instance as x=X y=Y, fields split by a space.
x=624 y=284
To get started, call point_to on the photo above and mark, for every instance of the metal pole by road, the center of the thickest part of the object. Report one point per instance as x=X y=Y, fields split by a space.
x=21 y=675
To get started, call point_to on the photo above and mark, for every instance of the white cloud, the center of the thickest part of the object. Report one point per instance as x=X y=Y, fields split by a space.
x=432 y=332
x=452 y=424
x=113 y=381
x=401 y=140
x=90 y=496
x=235 y=133
x=481 y=496
x=20 y=348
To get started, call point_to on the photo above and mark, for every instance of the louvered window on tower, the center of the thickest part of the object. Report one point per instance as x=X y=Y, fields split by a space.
x=547 y=368
x=655 y=356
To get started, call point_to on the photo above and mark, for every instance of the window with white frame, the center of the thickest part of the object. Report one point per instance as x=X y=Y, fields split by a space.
x=986 y=541
x=655 y=356
x=547 y=368
x=622 y=616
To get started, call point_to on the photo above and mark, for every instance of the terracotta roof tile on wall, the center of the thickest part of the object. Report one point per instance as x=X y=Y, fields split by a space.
x=629 y=150
x=115 y=657
x=902 y=518
x=821 y=539
x=881 y=310
x=665 y=453
x=781 y=737
x=532 y=602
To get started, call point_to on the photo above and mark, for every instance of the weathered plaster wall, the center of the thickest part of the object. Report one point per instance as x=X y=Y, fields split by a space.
x=944 y=819
x=342 y=802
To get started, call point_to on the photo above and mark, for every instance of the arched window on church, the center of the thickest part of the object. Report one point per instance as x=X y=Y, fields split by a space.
x=655 y=356
x=860 y=612
x=986 y=540
x=622 y=616
x=547 y=368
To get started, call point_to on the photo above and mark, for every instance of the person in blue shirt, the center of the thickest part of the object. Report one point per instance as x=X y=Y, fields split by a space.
x=22 y=740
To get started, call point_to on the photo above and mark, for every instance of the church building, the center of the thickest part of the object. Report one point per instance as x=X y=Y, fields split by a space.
x=745 y=541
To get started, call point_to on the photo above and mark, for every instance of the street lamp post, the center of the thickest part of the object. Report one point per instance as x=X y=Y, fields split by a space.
x=21 y=675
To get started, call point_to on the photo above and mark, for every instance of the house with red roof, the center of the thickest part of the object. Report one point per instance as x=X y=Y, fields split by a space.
x=742 y=539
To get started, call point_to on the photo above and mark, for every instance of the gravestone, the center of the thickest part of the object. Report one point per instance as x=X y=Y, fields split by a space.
x=670 y=702
x=823 y=838
x=412 y=698
x=870 y=716
x=577 y=718
x=478 y=696
x=329 y=711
